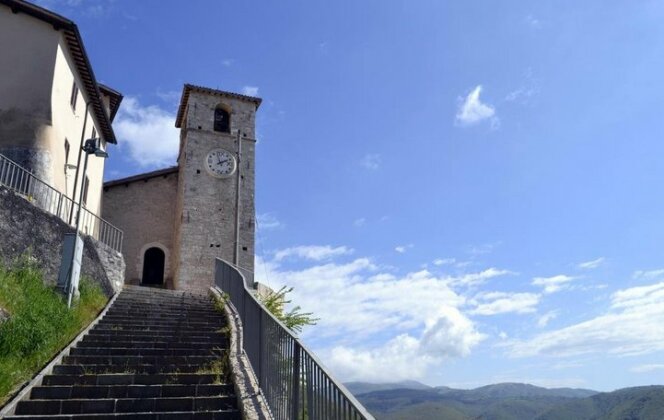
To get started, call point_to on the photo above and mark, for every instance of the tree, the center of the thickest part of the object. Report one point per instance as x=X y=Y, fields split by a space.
x=294 y=319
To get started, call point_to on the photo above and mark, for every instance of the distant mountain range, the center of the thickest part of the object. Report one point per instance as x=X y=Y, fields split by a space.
x=507 y=401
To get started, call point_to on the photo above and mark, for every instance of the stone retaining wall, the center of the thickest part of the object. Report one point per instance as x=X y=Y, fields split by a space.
x=24 y=228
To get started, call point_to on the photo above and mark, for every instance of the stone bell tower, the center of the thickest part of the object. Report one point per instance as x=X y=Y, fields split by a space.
x=215 y=207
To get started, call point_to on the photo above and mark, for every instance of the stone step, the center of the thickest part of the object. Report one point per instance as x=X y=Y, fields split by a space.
x=131 y=379
x=156 y=335
x=138 y=360
x=165 y=318
x=130 y=391
x=125 y=405
x=149 y=357
x=138 y=337
x=197 y=345
x=175 y=415
x=132 y=351
x=111 y=324
x=130 y=368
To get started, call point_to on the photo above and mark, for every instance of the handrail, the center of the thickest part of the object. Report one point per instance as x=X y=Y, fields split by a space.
x=295 y=383
x=47 y=198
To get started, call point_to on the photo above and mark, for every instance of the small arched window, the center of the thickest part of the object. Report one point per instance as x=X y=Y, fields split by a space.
x=222 y=119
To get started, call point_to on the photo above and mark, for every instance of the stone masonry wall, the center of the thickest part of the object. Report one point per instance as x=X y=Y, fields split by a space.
x=145 y=211
x=26 y=228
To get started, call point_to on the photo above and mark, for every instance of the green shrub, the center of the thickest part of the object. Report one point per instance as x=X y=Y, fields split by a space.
x=40 y=323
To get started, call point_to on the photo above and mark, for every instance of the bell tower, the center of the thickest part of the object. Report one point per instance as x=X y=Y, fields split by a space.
x=215 y=206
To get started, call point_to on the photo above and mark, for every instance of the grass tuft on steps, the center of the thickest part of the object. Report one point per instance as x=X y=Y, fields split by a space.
x=40 y=324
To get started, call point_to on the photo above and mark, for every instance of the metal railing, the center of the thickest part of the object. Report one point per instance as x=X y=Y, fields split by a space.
x=295 y=383
x=47 y=198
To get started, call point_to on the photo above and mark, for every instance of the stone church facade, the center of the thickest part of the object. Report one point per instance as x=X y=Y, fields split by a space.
x=177 y=220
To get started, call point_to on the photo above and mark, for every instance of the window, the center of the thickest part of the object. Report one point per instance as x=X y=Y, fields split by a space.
x=86 y=184
x=74 y=95
x=222 y=120
x=67 y=147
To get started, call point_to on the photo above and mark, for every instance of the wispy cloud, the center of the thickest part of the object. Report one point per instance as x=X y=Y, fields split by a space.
x=494 y=303
x=533 y=22
x=227 y=62
x=359 y=222
x=647 y=368
x=401 y=249
x=250 y=90
x=649 y=274
x=472 y=110
x=90 y=8
x=148 y=132
x=171 y=97
x=478 y=278
x=444 y=261
x=553 y=284
x=312 y=252
x=268 y=221
x=371 y=161
x=633 y=325
x=589 y=265
x=544 y=320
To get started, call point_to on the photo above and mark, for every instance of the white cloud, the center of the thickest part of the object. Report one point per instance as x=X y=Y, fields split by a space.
x=472 y=110
x=544 y=320
x=633 y=325
x=250 y=90
x=312 y=252
x=522 y=94
x=375 y=323
x=371 y=161
x=171 y=97
x=553 y=284
x=533 y=22
x=268 y=221
x=478 y=278
x=227 y=62
x=648 y=274
x=90 y=8
x=647 y=368
x=589 y=265
x=359 y=222
x=494 y=303
x=148 y=132
x=444 y=261
x=401 y=249
x=448 y=335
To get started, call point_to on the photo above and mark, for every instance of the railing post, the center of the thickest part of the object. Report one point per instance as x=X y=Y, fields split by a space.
x=59 y=204
x=295 y=403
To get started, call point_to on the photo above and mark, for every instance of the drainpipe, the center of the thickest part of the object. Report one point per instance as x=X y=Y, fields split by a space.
x=236 y=258
x=78 y=163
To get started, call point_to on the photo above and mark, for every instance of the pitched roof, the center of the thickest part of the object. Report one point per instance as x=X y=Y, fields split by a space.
x=189 y=88
x=141 y=177
x=80 y=57
x=115 y=99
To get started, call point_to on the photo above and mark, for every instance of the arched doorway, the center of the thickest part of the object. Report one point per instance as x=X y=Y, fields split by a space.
x=153 y=267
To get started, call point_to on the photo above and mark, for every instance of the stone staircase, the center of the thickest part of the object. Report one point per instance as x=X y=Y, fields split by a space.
x=156 y=354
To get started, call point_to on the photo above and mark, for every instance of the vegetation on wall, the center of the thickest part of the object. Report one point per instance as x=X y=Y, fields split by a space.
x=40 y=324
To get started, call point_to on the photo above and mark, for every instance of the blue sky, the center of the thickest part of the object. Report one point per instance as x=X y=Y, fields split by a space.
x=464 y=192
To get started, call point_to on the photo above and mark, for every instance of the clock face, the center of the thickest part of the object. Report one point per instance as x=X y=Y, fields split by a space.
x=220 y=163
